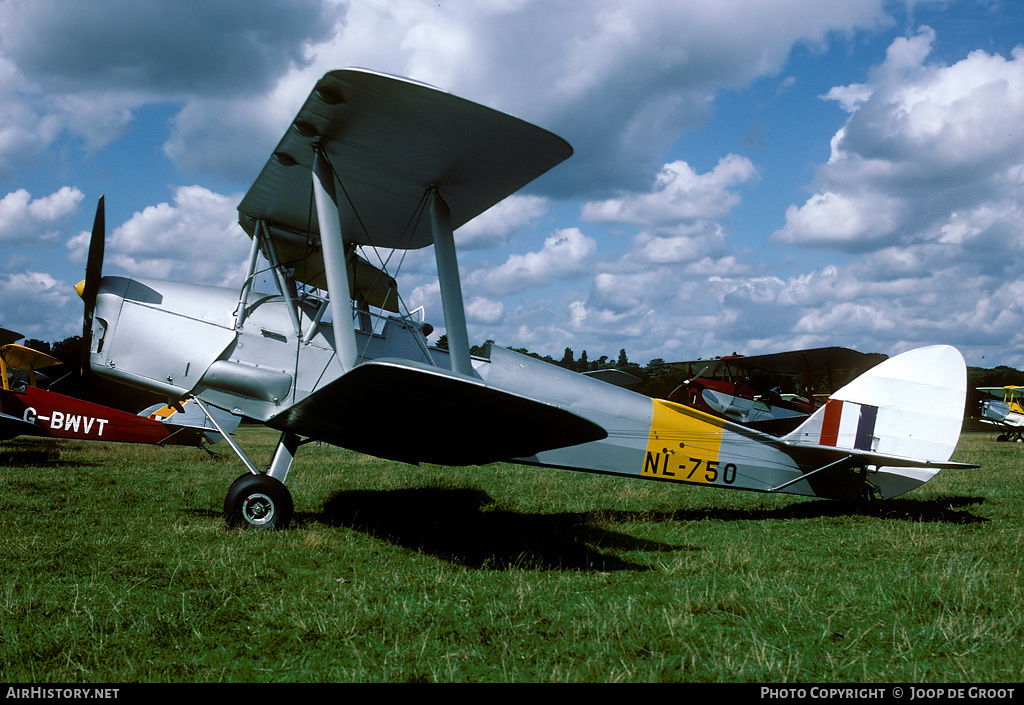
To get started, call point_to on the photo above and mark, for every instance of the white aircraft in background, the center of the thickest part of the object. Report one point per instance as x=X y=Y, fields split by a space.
x=1005 y=411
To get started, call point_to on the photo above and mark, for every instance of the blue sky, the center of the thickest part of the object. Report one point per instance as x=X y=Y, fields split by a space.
x=748 y=176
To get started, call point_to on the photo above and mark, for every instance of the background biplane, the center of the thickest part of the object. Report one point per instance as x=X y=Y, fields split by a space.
x=772 y=392
x=1005 y=411
x=26 y=409
x=373 y=163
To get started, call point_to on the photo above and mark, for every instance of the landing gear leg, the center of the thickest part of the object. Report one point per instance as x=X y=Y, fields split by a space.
x=259 y=500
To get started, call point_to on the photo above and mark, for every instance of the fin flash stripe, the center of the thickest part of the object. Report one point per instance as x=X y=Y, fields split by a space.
x=848 y=425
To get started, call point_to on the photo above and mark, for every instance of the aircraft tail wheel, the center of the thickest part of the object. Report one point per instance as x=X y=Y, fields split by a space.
x=258 y=502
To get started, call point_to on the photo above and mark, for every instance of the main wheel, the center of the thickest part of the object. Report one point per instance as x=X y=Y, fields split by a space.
x=258 y=502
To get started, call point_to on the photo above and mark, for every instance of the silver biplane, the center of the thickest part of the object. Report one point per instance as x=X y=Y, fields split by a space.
x=373 y=162
x=1005 y=412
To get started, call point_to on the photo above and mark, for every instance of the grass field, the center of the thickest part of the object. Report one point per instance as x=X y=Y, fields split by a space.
x=117 y=568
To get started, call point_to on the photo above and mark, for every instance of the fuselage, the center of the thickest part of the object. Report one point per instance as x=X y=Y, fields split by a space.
x=45 y=413
x=182 y=340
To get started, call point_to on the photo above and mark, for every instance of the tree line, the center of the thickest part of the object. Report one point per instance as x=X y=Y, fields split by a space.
x=657 y=378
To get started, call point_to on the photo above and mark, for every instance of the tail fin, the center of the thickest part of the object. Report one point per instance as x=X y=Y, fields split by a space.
x=909 y=406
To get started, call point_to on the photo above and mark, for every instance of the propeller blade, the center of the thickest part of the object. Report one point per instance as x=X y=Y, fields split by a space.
x=697 y=375
x=93 y=273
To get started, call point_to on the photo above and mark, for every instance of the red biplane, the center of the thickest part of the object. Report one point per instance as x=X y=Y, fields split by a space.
x=773 y=392
x=26 y=409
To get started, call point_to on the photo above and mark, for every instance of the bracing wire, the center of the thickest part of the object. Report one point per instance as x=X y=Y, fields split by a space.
x=408 y=230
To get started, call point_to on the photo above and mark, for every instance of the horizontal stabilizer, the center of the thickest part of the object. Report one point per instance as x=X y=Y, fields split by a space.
x=12 y=427
x=862 y=457
x=187 y=416
x=616 y=377
x=391 y=409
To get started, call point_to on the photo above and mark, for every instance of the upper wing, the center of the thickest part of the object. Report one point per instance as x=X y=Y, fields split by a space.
x=9 y=336
x=997 y=391
x=21 y=358
x=390 y=140
x=790 y=362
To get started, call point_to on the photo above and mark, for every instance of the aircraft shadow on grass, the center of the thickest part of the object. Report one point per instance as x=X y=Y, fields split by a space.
x=30 y=453
x=455 y=524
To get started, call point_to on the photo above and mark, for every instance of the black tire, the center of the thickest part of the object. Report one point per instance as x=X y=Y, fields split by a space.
x=258 y=502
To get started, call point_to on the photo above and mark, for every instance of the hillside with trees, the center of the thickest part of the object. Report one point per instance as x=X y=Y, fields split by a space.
x=658 y=378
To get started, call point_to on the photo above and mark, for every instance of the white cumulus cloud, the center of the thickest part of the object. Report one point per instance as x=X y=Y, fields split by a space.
x=31 y=220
